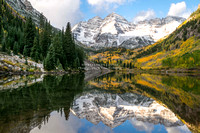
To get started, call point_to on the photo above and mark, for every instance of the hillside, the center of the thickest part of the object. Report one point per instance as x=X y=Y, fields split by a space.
x=181 y=49
x=113 y=58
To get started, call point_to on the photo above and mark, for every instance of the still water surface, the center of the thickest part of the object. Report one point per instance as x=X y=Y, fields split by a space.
x=113 y=103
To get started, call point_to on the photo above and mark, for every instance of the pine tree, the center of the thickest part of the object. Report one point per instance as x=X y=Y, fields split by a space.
x=54 y=54
x=75 y=63
x=81 y=56
x=49 y=33
x=21 y=42
x=131 y=65
x=25 y=52
x=29 y=35
x=26 y=61
x=184 y=35
x=57 y=44
x=3 y=49
x=44 y=40
x=12 y=37
x=127 y=66
x=124 y=65
x=59 y=65
x=0 y=8
x=63 y=58
x=35 y=50
x=39 y=50
x=69 y=46
x=15 y=49
x=42 y=21
x=50 y=60
x=1 y=29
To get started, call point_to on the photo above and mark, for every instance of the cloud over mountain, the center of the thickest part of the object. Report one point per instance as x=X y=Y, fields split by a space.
x=179 y=9
x=144 y=15
x=59 y=12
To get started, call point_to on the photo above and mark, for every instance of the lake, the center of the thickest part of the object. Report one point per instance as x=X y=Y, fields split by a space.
x=113 y=103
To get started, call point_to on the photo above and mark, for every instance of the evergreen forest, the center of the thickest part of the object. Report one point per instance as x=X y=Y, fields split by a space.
x=55 y=49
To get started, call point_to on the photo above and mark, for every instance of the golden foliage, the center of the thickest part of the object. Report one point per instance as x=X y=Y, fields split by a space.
x=148 y=58
x=155 y=60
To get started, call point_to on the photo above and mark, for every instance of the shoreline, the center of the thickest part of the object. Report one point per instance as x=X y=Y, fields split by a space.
x=174 y=71
x=37 y=73
x=162 y=71
x=135 y=70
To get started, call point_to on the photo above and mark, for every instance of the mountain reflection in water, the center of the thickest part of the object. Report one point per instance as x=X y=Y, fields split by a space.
x=114 y=109
x=114 y=102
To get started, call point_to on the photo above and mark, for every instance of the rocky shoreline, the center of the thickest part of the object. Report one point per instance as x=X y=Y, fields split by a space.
x=30 y=73
x=18 y=65
x=18 y=78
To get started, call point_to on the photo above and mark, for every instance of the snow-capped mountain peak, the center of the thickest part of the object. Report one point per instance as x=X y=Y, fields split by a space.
x=116 y=17
x=115 y=31
x=115 y=24
x=96 y=19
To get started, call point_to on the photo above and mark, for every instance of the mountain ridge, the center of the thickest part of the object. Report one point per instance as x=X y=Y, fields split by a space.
x=114 y=30
x=25 y=8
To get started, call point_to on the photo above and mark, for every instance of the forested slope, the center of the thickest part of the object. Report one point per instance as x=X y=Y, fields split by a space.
x=181 y=49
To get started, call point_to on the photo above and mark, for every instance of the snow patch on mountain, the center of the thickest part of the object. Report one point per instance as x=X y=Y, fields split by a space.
x=156 y=28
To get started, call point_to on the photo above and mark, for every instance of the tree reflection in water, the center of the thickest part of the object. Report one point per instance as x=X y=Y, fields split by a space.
x=115 y=99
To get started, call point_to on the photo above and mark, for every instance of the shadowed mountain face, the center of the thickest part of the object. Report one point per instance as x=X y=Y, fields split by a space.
x=111 y=103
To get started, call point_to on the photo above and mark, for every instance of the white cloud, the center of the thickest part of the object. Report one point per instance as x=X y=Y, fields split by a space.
x=58 y=124
x=100 y=2
x=59 y=12
x=142 y=126
x=178 y=129
x=144 y=15
x=179 y=9
x=106 y=5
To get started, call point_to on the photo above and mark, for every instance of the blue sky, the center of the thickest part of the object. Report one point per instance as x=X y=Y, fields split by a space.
x=61 y=11
x=130 y=9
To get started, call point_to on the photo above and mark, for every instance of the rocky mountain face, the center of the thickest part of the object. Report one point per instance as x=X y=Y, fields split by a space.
x=115 y=109
x=24 y=8
x=116 y=31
